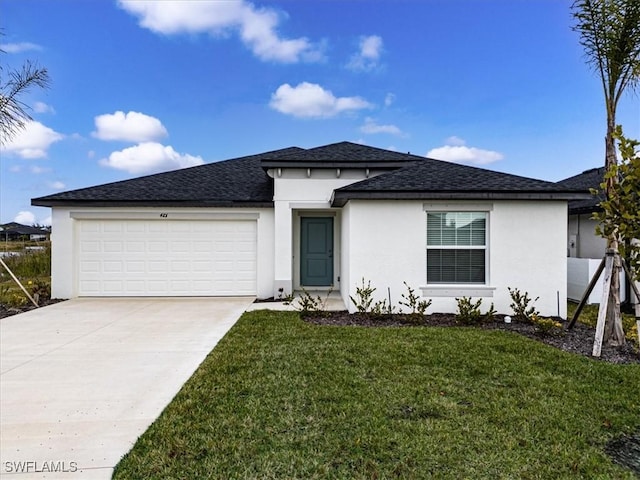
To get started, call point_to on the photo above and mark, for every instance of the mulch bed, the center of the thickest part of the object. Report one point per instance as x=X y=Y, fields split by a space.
x=578 y=340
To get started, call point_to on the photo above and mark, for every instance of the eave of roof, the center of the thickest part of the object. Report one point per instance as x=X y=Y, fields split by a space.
x=340 y=198
x=44 y=202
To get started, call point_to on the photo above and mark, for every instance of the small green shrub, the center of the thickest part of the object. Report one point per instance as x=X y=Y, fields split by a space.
x=307 y=303
x=364 y=297
x=490 y=314
x=469 y=312
x=546 y=326
x=413 y=302
x=15 y=300
x=40 y=290
x=381 y=308
x=522 y=305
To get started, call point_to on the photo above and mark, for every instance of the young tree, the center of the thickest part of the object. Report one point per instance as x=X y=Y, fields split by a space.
x=620 y=215
x=610 y=34
x=13 y=84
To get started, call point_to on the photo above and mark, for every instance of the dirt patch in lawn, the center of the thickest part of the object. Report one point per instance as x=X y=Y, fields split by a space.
x=625 y=451
x=578 y=340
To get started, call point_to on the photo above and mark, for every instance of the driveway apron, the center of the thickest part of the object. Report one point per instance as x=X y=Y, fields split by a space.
x=81 y=380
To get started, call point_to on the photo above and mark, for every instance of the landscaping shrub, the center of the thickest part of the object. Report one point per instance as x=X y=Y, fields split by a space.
x=413 y=302
x=469 y=312
x=364 y=297
x=546 y=326
x=522 y=305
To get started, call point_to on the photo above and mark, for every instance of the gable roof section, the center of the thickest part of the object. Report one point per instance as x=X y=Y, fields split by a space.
x=430 y=179
x=586 y=180
x=244 y=182
x=230 y=183
x=340 y=155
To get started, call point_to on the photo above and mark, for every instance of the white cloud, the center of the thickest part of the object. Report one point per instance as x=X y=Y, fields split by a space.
x=41 y=107
x=369 y=54
x=25 y=218
x=389 y=99
x=256 y=27
x=19 y=47
x=129 y=127
x=57 y=185
x=462 y=154
x=456 y=151
x=149 y=157
x=312 y=101
x=33 y=141
x=371 y=127
x=38 y=170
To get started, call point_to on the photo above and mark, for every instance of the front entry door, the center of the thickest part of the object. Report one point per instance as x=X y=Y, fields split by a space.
x=316 y=251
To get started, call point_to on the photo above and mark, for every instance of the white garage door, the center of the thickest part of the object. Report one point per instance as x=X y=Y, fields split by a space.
x=166 y=257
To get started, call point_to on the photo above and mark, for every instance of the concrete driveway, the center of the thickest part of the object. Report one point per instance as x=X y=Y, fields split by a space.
x=82 y=379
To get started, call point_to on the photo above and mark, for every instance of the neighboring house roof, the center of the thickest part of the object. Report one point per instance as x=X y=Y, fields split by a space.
x=14 y=228
x=586 y=180
x=243 y=182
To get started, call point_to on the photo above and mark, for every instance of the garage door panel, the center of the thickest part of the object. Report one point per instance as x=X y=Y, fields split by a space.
x=113 y=227
x=166 y=258
x=134 y=247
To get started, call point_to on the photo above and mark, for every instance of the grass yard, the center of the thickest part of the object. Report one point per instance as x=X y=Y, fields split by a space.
x=33 y=269
x=282 y=399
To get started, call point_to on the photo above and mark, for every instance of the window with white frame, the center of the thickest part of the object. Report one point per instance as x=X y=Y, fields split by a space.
x=456 y=247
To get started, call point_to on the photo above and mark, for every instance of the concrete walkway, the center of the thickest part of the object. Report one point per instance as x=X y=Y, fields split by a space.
x=81 y=380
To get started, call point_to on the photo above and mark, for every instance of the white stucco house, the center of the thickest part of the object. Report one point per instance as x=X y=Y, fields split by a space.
x=317 y=218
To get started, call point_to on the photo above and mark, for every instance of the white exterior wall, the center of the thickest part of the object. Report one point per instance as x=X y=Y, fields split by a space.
x=582 y=239
x=64 y=270
x=302 y=190
x=345 y=255
x=526 y=251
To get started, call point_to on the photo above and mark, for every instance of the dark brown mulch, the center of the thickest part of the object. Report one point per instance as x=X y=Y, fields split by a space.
x=578 y=340
x=9 y=311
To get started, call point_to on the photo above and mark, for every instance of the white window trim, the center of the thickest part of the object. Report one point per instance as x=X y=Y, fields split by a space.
x=462 y=289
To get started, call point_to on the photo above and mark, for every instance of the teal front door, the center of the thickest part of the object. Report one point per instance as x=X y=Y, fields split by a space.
x=316 y=251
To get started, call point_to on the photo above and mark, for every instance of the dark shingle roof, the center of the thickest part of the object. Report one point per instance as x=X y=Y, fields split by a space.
x=244 y=182
x=237 y=182
x=434 y=179
x=341 y=155
x=585 y=180
x=19 y=229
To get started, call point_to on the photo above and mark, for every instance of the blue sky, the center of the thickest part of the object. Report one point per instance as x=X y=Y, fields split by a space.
x=140 y=87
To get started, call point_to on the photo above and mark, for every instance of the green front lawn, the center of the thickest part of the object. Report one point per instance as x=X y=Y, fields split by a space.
x=281 y=399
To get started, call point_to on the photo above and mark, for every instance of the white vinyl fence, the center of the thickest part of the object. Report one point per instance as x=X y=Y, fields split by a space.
x=579 y=274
